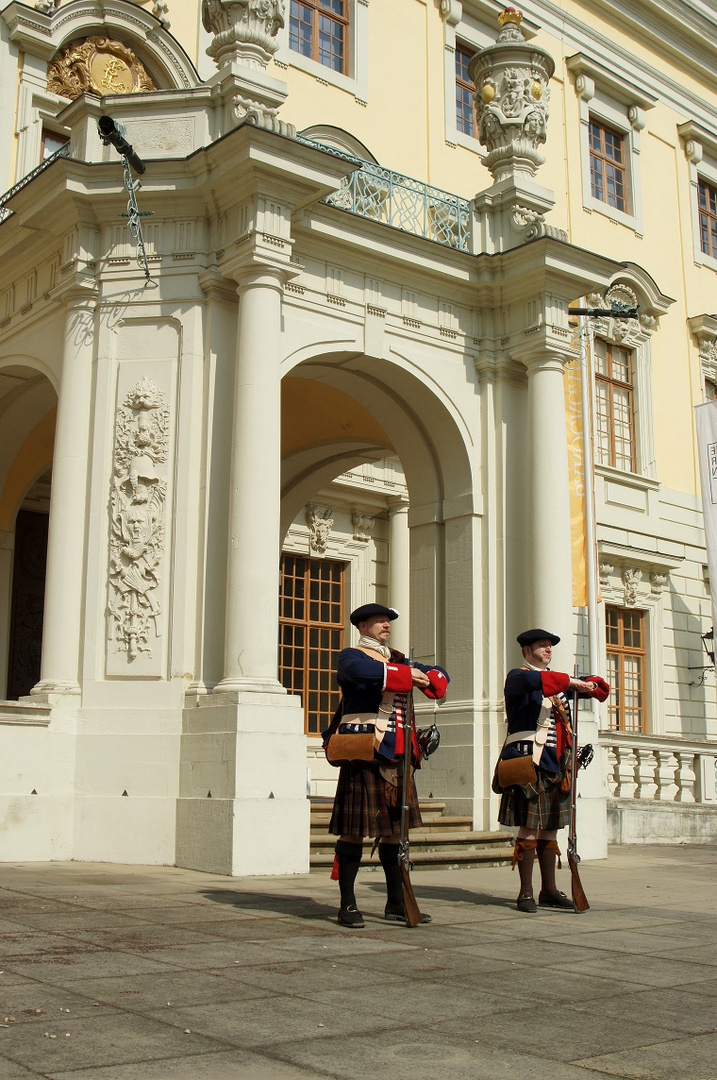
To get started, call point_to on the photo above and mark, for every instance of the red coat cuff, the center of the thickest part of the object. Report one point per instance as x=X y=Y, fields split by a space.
x=398 y=677
x=602 y=689
x=554 y=682
x=438 y=687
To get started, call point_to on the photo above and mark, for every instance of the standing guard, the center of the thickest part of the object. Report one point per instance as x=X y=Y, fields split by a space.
x=533 y=771
x=375 y=682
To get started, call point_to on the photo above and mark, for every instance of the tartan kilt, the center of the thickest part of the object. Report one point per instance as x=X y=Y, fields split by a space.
x=360 y=807
x=549 y=808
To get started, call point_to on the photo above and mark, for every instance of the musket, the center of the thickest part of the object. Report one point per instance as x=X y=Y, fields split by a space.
x=410 y=905
x=580 y=900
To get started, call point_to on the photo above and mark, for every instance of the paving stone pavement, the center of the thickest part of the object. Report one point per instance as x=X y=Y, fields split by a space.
x=113 y=972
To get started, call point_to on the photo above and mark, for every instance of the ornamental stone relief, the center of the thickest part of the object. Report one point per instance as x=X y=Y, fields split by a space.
x=320 y=520
x=511 y=98
x=99 y=66
x=363 y=526
x=631 y=578
x=657 y=582
x=244 y=30
x=137 y=512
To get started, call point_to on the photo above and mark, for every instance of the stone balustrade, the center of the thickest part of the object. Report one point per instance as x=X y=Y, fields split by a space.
x=660 y=769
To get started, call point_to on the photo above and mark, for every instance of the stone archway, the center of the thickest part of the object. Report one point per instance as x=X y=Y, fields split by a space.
x=394 y=408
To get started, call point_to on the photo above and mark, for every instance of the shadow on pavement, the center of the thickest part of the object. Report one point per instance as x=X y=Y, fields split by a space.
x=301 y=907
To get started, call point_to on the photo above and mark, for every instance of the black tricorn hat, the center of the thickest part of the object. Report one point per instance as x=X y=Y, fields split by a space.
x=367 y=611
x=529 y=637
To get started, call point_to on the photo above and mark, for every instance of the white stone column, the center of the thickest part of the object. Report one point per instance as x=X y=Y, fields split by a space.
x=399 y=571
x=251 y=626
x=548 y=550
x=64 y=582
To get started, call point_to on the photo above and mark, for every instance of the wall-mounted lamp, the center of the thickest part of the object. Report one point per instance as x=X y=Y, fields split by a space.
x=708 y=643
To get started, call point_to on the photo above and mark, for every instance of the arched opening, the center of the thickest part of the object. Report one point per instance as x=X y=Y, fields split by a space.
x=27 y=430
x=374 y=441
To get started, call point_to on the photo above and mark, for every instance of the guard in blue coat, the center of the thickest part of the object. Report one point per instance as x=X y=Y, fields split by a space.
x=539 y=725
x=376 y=681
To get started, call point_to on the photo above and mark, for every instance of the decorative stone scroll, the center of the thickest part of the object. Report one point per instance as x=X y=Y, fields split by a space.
x=320 y=520
x=97 y=65
x=512 y=95
x=137 y=512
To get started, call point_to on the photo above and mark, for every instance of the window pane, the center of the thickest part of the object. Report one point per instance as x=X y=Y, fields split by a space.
x=607 y=165
x=465 y=115
x=300 y=28
x=707 y=201
x=626 y=669
x=309 y=643
x=614 y=406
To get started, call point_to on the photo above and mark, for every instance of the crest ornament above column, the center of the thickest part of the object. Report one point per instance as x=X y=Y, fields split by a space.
x=512 y=94
x=244 y=30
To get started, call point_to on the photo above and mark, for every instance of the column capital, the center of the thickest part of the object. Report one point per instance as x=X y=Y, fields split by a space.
x=256 y=271
x=545 y=359
x=79 y=292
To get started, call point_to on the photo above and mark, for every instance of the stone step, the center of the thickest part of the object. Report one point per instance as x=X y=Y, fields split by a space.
x=437 y=822
x=444 y=840
x=429 y=837
x=496 y=855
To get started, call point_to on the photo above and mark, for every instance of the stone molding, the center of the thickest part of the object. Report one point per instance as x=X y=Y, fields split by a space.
x=704 y=330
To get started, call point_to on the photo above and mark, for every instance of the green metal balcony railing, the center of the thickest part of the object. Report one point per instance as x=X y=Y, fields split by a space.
x=410 y=205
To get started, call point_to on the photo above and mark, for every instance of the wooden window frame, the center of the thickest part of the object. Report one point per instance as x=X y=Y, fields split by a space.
x=620 y=651
x=299 y=621
x=601 y=164
x=318 y=11
x=463 y=85
x=611 y=382
x=707 y=217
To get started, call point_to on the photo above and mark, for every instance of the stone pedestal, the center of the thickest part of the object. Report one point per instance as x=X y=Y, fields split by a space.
x=242 y=806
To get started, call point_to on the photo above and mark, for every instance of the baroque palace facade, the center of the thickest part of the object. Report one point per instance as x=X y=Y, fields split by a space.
x=324 y=353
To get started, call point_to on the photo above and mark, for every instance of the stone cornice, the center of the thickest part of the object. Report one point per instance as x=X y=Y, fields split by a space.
x=623 y=86
x=672 y=29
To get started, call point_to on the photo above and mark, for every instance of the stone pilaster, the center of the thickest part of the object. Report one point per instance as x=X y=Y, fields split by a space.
x=64 y=589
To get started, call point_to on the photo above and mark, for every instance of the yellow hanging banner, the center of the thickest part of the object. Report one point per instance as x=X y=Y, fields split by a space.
x=576 y=475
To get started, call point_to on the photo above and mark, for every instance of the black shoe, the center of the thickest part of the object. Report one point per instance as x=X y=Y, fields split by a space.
x=351 y=916
x=526 y=902
x=556 y=899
